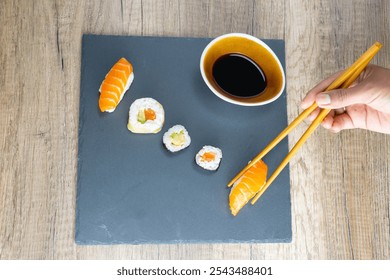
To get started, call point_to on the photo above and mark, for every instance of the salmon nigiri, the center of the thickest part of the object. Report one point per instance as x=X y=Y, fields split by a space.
x=247 y=186
x=115 y=84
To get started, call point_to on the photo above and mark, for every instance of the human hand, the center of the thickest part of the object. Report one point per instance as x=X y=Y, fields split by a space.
x=365 y=104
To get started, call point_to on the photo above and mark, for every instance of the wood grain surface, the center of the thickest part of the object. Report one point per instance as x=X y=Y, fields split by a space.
x=339 y=182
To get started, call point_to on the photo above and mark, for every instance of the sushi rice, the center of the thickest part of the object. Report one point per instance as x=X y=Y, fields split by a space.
x=146 y=115
x=176 y=138
x=209 y=158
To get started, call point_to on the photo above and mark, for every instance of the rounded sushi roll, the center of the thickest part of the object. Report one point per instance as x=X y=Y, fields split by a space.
x=176 y=138
x=209 y=158
x=146 y=115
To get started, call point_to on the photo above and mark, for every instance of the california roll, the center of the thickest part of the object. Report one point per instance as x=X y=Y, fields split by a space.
x=146 y=115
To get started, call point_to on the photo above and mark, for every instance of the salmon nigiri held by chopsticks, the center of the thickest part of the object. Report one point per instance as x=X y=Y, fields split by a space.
x=247 y=186
x=115 y=84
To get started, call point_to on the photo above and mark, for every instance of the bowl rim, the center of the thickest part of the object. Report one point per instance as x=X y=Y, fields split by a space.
x=260 y=42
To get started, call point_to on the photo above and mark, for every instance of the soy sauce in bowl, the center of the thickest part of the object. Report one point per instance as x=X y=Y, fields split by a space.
x=238 y=75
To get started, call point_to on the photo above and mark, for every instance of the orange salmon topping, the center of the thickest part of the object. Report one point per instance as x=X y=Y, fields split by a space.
x=247 y=186
x=208 y=156
x=113 y=85
x=150 y=114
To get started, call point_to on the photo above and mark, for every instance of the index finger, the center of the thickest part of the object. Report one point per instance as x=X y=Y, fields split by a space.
x=310 y=97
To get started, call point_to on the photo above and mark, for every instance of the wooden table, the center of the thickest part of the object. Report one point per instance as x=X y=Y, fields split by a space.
x=339 y=182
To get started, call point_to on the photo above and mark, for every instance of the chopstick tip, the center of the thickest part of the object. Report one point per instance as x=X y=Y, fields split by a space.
x=378 y=44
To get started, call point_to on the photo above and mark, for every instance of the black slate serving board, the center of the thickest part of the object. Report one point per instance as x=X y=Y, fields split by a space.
x=131 y=190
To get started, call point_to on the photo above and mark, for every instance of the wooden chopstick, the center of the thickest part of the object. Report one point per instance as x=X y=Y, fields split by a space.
x=347 y=75
x=323 y=113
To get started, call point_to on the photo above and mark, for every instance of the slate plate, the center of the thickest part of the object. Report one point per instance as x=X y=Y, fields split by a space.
x=131 y=190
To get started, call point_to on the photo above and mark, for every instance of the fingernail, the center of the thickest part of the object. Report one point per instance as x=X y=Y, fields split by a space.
x=326 y=125
x=323 y=99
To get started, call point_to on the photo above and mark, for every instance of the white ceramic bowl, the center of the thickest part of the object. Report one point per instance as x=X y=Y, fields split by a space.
x=256 y=50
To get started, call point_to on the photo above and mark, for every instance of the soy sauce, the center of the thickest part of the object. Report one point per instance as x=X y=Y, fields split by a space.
x=238 y=75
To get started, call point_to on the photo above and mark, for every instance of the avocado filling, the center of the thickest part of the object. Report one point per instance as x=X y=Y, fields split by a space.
x=141 y=116
x=146 y=114
x=178 y=138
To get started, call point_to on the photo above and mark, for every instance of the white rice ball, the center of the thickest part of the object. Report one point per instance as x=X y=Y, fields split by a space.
x=209 y=158
x=138 y=122
x=176 y=138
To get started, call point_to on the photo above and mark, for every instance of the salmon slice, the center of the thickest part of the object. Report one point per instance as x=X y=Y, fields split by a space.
x=120 y=74
x=109 y=88
x=115 y=84
x=109 y=95
x=107 y=104
x=124 y=65
x=150 y=114
x=247 y=186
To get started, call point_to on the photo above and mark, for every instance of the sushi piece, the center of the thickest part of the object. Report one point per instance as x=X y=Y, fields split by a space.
x=247 y=186
x=115 y=84
x=146 y=115
x=209 y=158
x=176 y=138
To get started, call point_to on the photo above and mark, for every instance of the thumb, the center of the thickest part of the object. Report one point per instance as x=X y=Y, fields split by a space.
x=343 y=97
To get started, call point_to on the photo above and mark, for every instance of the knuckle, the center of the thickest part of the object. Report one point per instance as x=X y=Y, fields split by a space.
x=342 y=95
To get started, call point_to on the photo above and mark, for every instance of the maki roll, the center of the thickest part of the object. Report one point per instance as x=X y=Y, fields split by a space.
x=209 y=158
x=146 y=115
x=176 y=138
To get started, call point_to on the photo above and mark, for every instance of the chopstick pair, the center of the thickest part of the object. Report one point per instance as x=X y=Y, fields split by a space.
x=343 y=81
